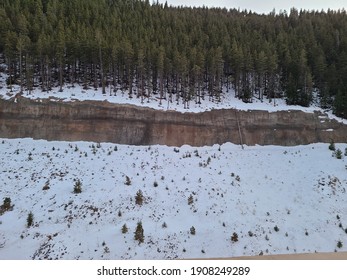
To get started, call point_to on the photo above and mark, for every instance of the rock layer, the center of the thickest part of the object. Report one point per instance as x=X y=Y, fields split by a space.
x=127 y=124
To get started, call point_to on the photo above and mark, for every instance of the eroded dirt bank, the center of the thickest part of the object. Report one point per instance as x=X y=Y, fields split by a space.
x=125 y=124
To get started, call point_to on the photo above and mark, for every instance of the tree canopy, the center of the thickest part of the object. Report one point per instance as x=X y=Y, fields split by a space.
x=177 y=53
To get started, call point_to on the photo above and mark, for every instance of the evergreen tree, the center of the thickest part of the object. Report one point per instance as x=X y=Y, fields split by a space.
x=182 y=54
x=139 y=233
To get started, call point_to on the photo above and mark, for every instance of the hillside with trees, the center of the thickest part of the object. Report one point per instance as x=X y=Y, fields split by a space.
x=175 y=53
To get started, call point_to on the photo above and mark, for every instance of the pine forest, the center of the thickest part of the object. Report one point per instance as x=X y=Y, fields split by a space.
x=178 y=54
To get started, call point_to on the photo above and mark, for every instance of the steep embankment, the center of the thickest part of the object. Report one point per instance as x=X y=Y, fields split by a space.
x=125 y=124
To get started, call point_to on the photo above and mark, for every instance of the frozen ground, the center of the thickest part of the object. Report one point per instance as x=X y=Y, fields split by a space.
x=277 y=200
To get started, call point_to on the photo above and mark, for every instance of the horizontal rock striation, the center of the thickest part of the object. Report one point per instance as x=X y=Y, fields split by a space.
x=127 y=124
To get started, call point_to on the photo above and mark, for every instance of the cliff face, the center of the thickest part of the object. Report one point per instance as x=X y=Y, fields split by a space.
x=125 y=124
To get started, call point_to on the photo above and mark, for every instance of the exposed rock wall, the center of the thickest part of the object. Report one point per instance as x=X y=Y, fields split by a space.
x=125 y=124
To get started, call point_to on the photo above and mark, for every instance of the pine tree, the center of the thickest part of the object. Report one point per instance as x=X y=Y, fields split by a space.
x=124 y=229
x=30 y=219
x=77 y=187
x=139 y=198
x=139 y=233
x=183 y=52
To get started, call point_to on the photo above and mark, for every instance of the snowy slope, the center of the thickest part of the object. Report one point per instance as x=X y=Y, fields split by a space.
x=228 y=100
x=301 y=190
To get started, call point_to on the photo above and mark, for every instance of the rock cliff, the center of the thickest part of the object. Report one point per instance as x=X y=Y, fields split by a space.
x=126 y=124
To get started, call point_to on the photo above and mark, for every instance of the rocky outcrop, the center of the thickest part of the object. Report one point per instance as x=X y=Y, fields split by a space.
x=126 y=124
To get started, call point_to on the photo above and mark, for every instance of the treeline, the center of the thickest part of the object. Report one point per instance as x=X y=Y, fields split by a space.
x=178 y=54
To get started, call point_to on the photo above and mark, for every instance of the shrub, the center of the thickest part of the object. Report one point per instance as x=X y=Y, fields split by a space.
x=190 y=200
x=127 y=181
x=139 y=233
x=276 y=229
x=234 y=237
x=332 y=146
x=164 y=225
x=7 y=203
x=46 y=186
x=339 y=244
x=124 y=229
x=30 y=219
x=139 y=197
x=77 y=187
x=155 y=184
x=192 y=231
x=338 y=154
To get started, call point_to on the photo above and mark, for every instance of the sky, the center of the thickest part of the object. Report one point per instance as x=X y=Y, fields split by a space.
x=264 y=6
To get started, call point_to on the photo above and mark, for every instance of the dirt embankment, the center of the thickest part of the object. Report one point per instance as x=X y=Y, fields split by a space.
x=125 y=124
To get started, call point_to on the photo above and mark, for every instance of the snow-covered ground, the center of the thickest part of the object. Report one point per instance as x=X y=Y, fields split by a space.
x=77 y=93
x=228 y=100
x=277 y=199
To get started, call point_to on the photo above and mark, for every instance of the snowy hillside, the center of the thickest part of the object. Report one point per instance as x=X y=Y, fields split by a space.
x=228 y=100
x=276 y=199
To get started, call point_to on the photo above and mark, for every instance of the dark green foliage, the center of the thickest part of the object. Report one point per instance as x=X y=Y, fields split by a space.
x=77 y=187
x=124 y=229
x=30 y=219
x=338 y=154
x=332 y=146
x=179 y=54
x=139 y=233
x=339 y=244
x=276 y=229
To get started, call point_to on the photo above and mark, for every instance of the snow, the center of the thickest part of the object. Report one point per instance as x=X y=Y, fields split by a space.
x=301 y=190
x=228 y=100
